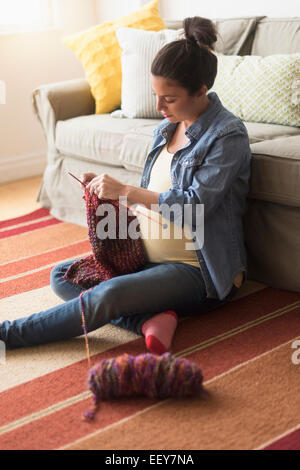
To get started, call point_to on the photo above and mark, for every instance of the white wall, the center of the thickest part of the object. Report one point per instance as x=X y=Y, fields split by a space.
x=178 y=9
x=111 y=9
x=28 y=60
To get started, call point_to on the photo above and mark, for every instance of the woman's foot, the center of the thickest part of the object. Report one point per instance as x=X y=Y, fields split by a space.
x=159 y=331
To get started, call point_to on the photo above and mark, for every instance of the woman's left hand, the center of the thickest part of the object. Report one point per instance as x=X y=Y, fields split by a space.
x=106 y=187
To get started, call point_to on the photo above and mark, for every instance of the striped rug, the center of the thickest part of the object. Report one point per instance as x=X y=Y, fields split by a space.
x=247 y=351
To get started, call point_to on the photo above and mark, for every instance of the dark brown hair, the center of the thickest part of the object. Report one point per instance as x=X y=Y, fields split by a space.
x=190 y=61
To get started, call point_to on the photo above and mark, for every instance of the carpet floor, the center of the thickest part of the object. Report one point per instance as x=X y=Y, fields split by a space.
x=245 y=350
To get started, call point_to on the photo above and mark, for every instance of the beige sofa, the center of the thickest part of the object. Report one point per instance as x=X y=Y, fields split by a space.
x=80 y=141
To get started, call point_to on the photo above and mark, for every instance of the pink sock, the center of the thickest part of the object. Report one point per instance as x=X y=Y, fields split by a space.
x=159 y=331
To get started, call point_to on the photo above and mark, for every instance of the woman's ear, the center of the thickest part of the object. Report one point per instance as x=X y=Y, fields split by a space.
x=202 y=92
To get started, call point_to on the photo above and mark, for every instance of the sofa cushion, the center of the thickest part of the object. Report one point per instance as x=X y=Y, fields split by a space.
x=137 y=143
x=97 y=137
x=235 y=34
x=260 y=131
x=127 y=142
x=276 y=36
x=275 y=163
x=276 y=171
x=136 y=146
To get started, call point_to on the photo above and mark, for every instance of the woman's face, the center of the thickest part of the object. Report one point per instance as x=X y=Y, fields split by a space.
x=174 y=102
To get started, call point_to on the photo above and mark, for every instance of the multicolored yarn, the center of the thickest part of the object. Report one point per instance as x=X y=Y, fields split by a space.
x=144 y=375
x=110 y=257
x=85 y=331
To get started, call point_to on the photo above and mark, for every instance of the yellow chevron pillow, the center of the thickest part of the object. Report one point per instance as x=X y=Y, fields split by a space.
x=260 y=89
x=100 y=53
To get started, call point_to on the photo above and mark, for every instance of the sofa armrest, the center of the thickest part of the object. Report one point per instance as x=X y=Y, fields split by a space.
x=60 y=101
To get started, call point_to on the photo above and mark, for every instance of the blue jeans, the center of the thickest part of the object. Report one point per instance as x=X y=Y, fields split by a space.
x=127 y=301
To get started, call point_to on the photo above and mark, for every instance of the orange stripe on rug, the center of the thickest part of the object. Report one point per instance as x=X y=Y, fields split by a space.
x=64 y=416
x=40 y=240
x=28 y=228
x=25 y=283
x=23 y=224
x=25 y=218
x=52 y=256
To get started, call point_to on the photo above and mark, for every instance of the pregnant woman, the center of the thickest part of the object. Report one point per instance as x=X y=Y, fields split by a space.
x=200 y=157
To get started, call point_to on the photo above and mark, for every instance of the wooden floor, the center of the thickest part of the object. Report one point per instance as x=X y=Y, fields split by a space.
x=19 y=197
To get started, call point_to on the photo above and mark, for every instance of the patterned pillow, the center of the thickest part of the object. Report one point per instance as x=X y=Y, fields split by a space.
x=260 y=89
x=99 y=51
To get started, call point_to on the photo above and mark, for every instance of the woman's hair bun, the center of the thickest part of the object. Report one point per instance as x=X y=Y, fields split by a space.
x=200 y=30
x=189 y=60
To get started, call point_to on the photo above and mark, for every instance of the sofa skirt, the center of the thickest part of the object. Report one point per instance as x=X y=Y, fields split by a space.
x=62 y=195
x=272 y=235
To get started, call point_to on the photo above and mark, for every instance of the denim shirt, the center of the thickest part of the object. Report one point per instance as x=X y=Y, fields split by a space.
x=212 y=169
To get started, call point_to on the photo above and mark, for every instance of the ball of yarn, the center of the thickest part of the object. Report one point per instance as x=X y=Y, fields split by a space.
x=146 y=375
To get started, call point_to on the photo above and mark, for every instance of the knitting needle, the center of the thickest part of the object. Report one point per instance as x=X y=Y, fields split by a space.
x=84 y=184
x=128 y=207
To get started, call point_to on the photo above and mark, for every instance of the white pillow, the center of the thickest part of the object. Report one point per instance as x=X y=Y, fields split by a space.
x=138 y=51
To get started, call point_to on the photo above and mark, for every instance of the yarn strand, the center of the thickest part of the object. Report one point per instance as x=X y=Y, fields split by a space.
x=85 y=331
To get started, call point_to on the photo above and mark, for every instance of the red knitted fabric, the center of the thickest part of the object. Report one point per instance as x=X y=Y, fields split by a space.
x=110 y=257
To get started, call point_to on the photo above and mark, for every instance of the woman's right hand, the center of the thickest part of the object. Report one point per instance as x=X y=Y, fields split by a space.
x=87 y=177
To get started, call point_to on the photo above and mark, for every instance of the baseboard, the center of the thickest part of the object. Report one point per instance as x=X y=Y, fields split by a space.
x=22 y=166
